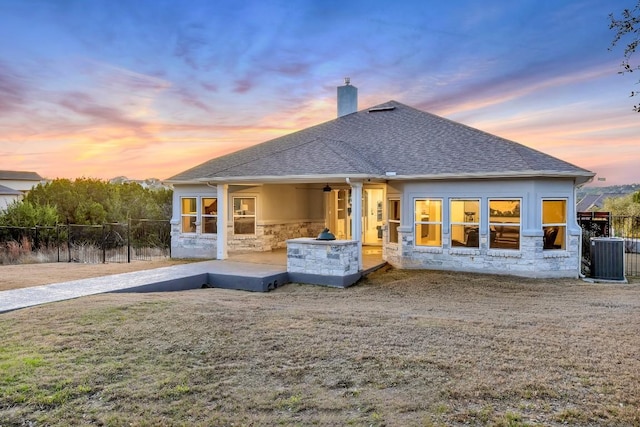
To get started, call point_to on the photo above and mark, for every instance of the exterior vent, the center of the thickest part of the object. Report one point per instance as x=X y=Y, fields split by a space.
x=378 y=109
x=607 y=258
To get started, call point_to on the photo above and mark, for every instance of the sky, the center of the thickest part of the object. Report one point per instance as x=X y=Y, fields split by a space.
x=150 y=88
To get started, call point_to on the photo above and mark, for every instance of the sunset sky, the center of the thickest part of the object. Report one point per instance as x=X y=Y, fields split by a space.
x=149 y=88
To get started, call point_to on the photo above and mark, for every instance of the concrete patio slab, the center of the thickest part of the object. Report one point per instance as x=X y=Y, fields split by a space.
x=259 y=272
x=174 y=278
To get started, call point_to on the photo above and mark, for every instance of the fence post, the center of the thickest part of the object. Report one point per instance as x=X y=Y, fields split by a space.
x=69 y=240
x=58 y=240
x=104 y=246
x=129 y=240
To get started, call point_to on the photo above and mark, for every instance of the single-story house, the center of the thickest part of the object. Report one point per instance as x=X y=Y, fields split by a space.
x=432 y=193
x=8 y=196
x=15 y=184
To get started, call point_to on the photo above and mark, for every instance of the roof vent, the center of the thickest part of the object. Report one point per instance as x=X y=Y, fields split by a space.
x=378 y=109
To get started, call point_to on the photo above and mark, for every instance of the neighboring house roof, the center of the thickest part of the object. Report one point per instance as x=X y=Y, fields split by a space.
x=19 y=176
x=6 y=191
x=388 y=141
x=595 y=201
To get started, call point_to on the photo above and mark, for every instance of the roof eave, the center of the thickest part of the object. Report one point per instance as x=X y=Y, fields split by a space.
x=579 y=176
x=273 y=179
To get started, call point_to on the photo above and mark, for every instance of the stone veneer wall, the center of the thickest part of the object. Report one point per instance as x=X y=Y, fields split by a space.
x=191 y=245
x=530 y=261
x=272 y=236
x=267 y=237
x=322 y=257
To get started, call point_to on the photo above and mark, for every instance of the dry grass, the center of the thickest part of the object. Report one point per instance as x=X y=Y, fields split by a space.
x=400 y=349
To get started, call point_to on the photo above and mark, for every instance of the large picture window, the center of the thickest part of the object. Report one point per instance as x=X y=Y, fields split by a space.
x=189 y=214
x=504 y=224
x=428 y=222
x=465 y=223
x=209 y=215
x=244 y=215
x=394 y=220
x=554 y=224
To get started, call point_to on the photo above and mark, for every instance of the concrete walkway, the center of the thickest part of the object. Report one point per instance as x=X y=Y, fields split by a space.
x=178 y=277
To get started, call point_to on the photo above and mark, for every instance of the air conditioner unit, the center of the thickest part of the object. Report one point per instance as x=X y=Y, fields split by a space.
x=607 y=258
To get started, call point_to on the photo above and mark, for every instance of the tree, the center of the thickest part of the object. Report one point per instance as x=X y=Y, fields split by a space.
x=92 y=201
x=27 y=214
x=628 y=205
x=628 y=28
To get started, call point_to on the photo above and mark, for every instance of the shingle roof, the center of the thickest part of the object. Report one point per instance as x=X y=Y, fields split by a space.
x=6 y=191
x=595 y=201
x=396 y=138
x=19 y=176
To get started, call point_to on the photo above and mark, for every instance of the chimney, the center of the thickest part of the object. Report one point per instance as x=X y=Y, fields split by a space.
x=347 y=98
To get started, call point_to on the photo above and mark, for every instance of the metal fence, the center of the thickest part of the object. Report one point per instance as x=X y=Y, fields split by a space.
x=603 y=224
x=139 y=239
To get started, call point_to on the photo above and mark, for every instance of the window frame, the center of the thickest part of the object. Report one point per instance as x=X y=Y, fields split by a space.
x=437 y=223
x=465 y=224
x=237 y=216
x=561 y=226
x=493 y=237
x=190 y=214
x=392 y=231
x=204 y=216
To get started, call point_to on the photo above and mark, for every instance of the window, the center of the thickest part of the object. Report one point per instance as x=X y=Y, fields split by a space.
x=394 y=220
x=504 y=224
x=244 y=215
x=465 y=223
x=209 y=215
x=189 y=214
x=554 y=223
x=428 y=222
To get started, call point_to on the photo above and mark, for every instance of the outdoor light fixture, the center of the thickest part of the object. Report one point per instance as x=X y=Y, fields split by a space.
x=327 y=189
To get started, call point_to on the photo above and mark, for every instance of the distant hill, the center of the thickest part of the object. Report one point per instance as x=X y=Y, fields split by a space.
x=621 y=190
x=151 y=183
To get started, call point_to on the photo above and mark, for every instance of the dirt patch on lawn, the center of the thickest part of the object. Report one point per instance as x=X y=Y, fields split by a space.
x=402 y=348
x=26 y=275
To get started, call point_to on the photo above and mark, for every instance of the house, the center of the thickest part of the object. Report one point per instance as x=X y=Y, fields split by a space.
x=432 y=193
x=15 y=184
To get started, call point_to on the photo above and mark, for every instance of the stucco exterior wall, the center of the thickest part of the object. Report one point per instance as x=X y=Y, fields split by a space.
x=530 y=260
x=7 y=199
x=191 y=245
x=282 y=212
x=286 y=212
x=20 y=185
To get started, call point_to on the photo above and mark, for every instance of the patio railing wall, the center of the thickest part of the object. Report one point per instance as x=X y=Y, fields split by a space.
x=138 y=239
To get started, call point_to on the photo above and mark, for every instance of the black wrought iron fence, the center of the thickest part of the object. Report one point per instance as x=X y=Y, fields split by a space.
x=138 y=239
x=603 y=224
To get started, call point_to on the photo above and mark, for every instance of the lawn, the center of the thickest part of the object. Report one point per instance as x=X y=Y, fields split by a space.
x=401 y=348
